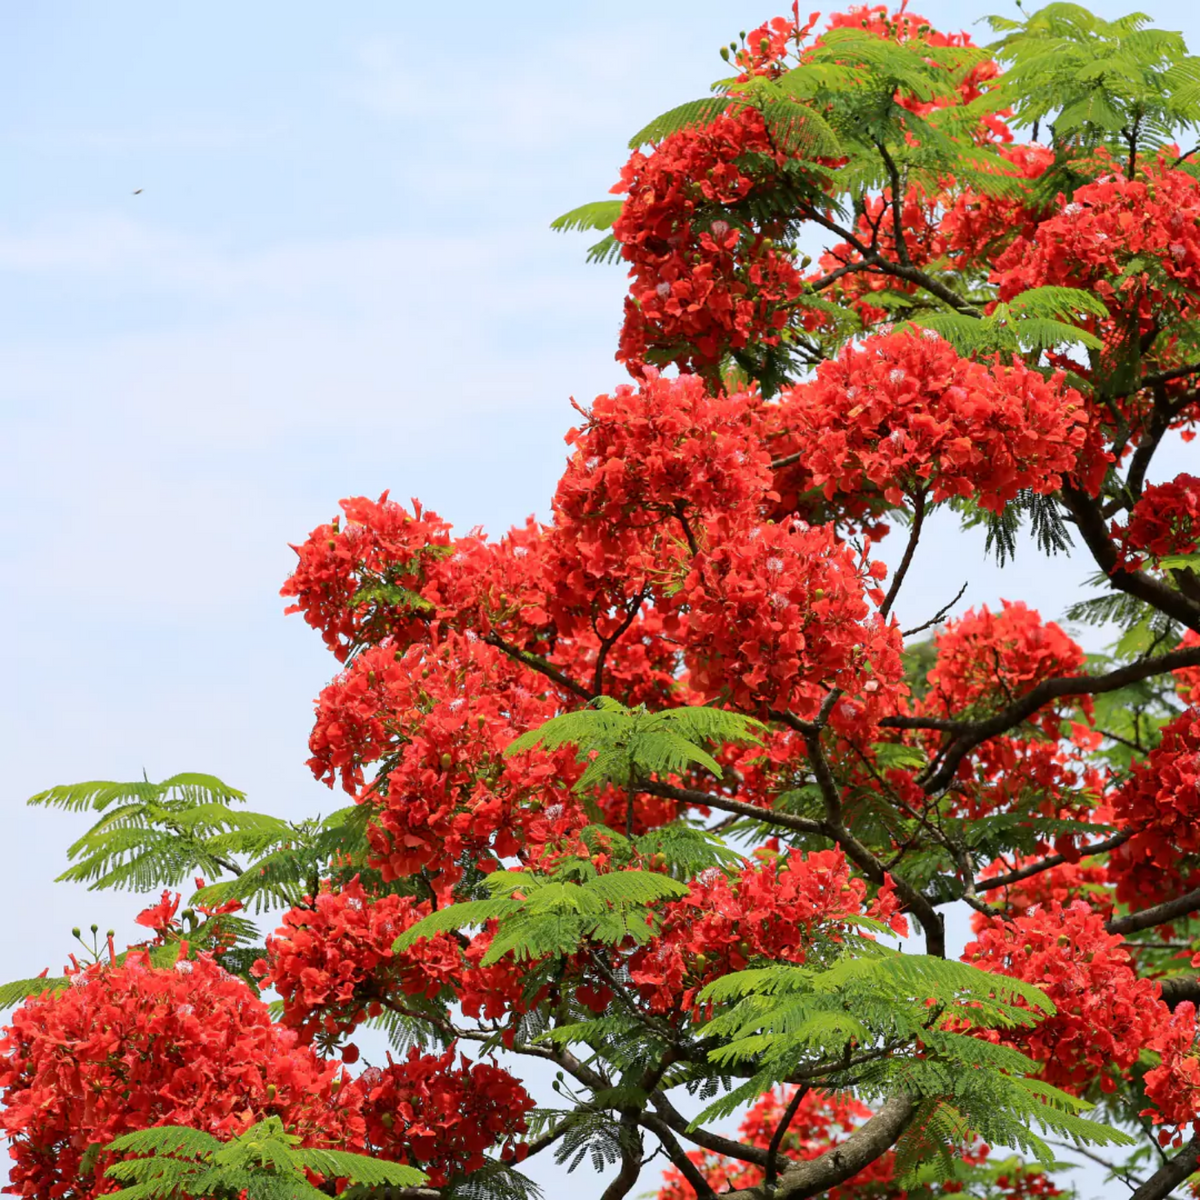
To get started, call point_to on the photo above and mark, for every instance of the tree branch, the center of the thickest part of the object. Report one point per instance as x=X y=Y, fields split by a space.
x=539 y=664
x=1180 y=988
x=914 y=536
x=789 y=1116
x=817 y=1175
x=973 y=733
x=1051 y=860
x=1160 y=914
x=1175 y=1171
x=1089 y=519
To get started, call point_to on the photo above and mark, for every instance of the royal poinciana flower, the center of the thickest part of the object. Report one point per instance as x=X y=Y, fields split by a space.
x=1062 y=885
x=777 y=910
x=1105 y=1013
x=1187 y=679
x=131 y=1046
x=658 y=464
x=439 y=1115
x=368 y=573
x=331 y=961
x=988 y=659
x=779 y=614
x=700 y=281
x=439 y=720
x=1148 y=223
x=906 y=415
x=1164 y=522
x=1160 y=804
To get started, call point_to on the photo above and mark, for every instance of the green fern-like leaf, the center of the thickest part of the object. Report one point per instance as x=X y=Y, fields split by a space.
x=695 y=113
x=620 y=743
x=11 y=994
x=600 y=214
x=264 y=1163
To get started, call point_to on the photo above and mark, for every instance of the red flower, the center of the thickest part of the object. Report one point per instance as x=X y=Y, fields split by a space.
x=1105 y=1013
x=904 y=415
x=128 y=1047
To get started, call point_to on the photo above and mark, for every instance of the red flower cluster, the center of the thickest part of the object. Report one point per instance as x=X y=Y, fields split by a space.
x=985 y=660
x=774 y=910
x=702 y=284
x=1164 y=522
x=129 y=1047
x=441 y=719
x=1187 y=679
x=359 y=584
x=1106 y=1014
x=651 y=464
x=905 y=415
x=1061 y=885
x=779 y=614
x=1161 y=804
x=1173 y=1087
x=329 y=962
x=977 y=226
x=1108 y=224
x=431 y=1114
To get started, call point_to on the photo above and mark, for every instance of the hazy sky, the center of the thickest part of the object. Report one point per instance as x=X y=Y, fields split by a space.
x=337 y=278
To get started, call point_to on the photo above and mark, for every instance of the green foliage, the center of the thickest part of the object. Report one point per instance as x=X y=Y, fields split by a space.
x=543 y=916
x=493 y=1181
x=264 y=1163
x=1039 y=319
x=600 y=214
x=291 y=866
x=595 y=1136
x=153 y=835
x=1046 y=523
x=11 y=994
x=877 y=1020
x=1096 y=83
x=622 y=744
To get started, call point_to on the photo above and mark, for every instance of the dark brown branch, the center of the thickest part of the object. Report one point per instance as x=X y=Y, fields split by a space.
x=1180 y=988
x=973 y=733
x=704 y=1138
x=941 y=612
x=789 y=1116
x=1160 y=914
x=1167 y=376
x=1167 y=1177
x=1051 y=860
x=539 y=664
x=914 y=536
x=916 y=902
x=897 y=205
x=606 y=644
x=678 y=1156
x=817 y=1175
x=1089 y=519
x=726 y=804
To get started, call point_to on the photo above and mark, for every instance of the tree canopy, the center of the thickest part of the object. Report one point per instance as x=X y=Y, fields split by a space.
x=660 y=793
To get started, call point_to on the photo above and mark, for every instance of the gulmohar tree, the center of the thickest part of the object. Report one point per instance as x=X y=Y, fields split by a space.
x=652 y=793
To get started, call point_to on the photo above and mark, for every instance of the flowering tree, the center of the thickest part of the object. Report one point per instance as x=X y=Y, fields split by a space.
x=653 y=793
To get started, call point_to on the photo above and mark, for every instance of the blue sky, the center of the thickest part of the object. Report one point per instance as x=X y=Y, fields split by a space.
x=337 y=278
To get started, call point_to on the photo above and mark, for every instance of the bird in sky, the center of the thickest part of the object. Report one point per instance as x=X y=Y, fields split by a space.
x=138 y=191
